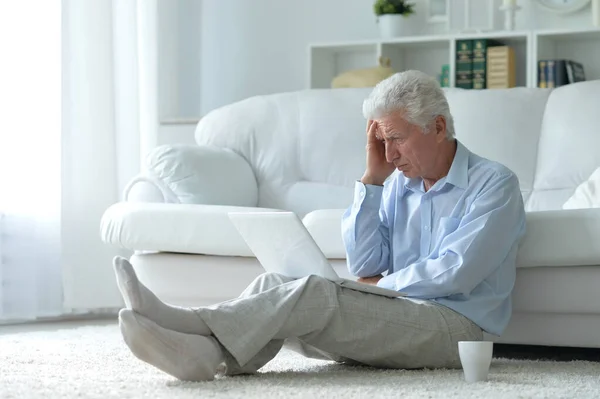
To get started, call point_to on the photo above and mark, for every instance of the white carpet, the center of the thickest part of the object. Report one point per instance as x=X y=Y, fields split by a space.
x=93 y=362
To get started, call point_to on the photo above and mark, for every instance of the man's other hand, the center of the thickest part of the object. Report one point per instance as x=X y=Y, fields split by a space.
x=370 y=280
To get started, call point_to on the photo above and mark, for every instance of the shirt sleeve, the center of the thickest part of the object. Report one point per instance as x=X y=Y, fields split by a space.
x=485 y=238
x=365 y=232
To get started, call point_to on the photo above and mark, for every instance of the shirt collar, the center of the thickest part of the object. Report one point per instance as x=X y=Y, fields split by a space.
x=458 y=175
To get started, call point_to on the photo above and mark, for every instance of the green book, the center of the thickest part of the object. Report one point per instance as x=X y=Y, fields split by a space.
x=480 y=47
x=464 y=64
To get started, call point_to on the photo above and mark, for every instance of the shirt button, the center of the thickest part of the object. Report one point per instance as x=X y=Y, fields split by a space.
x=426 y=228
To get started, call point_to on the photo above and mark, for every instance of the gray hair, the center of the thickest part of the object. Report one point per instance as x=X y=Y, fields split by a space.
x=416 y=93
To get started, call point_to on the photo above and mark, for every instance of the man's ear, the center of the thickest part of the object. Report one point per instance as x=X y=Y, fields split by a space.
x=440 y=128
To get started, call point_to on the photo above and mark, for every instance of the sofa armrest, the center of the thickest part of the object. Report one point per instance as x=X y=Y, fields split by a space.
x=191 y=174
x=180 y=228
x=147 y=188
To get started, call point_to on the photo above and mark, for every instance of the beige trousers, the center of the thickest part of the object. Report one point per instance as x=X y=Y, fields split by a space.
x=319 y=319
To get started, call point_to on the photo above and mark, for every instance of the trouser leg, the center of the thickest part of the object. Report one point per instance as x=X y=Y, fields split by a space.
x=336 y=323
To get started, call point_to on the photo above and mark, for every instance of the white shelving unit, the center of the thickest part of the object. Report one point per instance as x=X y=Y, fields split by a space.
x=429 y=53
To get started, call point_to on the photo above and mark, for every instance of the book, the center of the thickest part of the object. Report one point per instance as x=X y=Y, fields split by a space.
x=559 y=72
x=500 y=68
x=542 y=79
x=575 y=72
x=464 y=64
x=480 y=49
x=554 y=74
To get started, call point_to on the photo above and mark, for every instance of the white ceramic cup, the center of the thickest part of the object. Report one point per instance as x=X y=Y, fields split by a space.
x=475 y=357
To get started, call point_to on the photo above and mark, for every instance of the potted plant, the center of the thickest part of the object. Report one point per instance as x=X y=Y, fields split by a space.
x=393 y=17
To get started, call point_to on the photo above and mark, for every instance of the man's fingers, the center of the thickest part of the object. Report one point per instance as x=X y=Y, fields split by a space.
x=372 y=131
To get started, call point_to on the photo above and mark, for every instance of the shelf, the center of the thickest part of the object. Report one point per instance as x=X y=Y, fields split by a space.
x=325 y=62
x=345 y=47
x=512 y=35
x=581 y=45
x=429 y=52
x=419 y=41
x=423 y=40
x=562 y=35
x=428 y=56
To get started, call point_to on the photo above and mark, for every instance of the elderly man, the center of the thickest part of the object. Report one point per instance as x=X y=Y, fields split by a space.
x=441 y=222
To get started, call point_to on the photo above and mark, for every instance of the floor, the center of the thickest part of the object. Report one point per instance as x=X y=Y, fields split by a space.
x=88 y=359
x=526 y=352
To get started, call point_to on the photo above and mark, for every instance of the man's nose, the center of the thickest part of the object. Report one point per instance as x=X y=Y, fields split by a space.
x=391 y=152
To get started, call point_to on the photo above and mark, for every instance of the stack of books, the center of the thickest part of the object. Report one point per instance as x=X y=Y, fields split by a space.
x=556 y=73
x=484 y=64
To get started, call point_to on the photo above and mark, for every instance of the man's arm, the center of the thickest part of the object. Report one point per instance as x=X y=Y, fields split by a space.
x=486 y=236
x=365 y=232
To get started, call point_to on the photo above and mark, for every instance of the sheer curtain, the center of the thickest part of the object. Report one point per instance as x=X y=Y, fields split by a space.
x=61 y=167
x=30 y=72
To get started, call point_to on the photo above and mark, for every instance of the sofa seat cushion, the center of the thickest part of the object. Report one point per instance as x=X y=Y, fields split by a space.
x=182 y=228
x=553 y=238
x=325 y=226
x=561 y=238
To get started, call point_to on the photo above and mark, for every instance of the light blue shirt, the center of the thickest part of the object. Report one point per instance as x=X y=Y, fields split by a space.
x=455 y=244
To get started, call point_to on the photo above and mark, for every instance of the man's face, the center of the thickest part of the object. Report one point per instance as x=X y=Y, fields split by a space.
x=413 y=152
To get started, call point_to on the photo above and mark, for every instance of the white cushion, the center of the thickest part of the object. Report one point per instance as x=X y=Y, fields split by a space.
x=183 y=228
x=325 y=227
x=332 y=136
x=569 y=145
x=206 y=175
x=312 y=136
x=502 y=125
x=553 y=238
x=587 y=195
x=561 y=238
x=305 y=196
x=318 y=136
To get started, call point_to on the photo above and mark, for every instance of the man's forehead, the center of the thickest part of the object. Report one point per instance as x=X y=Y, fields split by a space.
x=392 y=119
x=392 y=126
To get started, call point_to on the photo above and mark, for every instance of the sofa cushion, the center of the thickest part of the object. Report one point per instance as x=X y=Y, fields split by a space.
x=325 y=226
x=183 y=228
x=561 y=238
x=309 y=136
x=569 y=141
x=306 y=196
x=206 y=175
x=587 y=195
x=553 y=238
x=502 y=125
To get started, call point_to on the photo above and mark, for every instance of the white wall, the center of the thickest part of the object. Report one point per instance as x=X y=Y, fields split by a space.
x=232 y=49
x=260 y=46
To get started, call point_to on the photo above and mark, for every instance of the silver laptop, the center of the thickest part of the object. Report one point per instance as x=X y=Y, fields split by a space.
x=283 y=245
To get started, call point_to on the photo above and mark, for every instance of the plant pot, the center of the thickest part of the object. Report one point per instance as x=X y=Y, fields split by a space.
x=396 y=25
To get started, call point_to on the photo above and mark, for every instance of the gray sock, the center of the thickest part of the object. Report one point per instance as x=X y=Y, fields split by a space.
x=184 y=356
x=139 y=298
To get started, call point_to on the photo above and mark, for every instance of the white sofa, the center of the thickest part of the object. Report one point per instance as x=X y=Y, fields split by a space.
x=303 y=151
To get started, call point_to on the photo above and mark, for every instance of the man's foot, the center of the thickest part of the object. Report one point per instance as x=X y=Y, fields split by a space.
x=139 y=298
x=184 y=356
